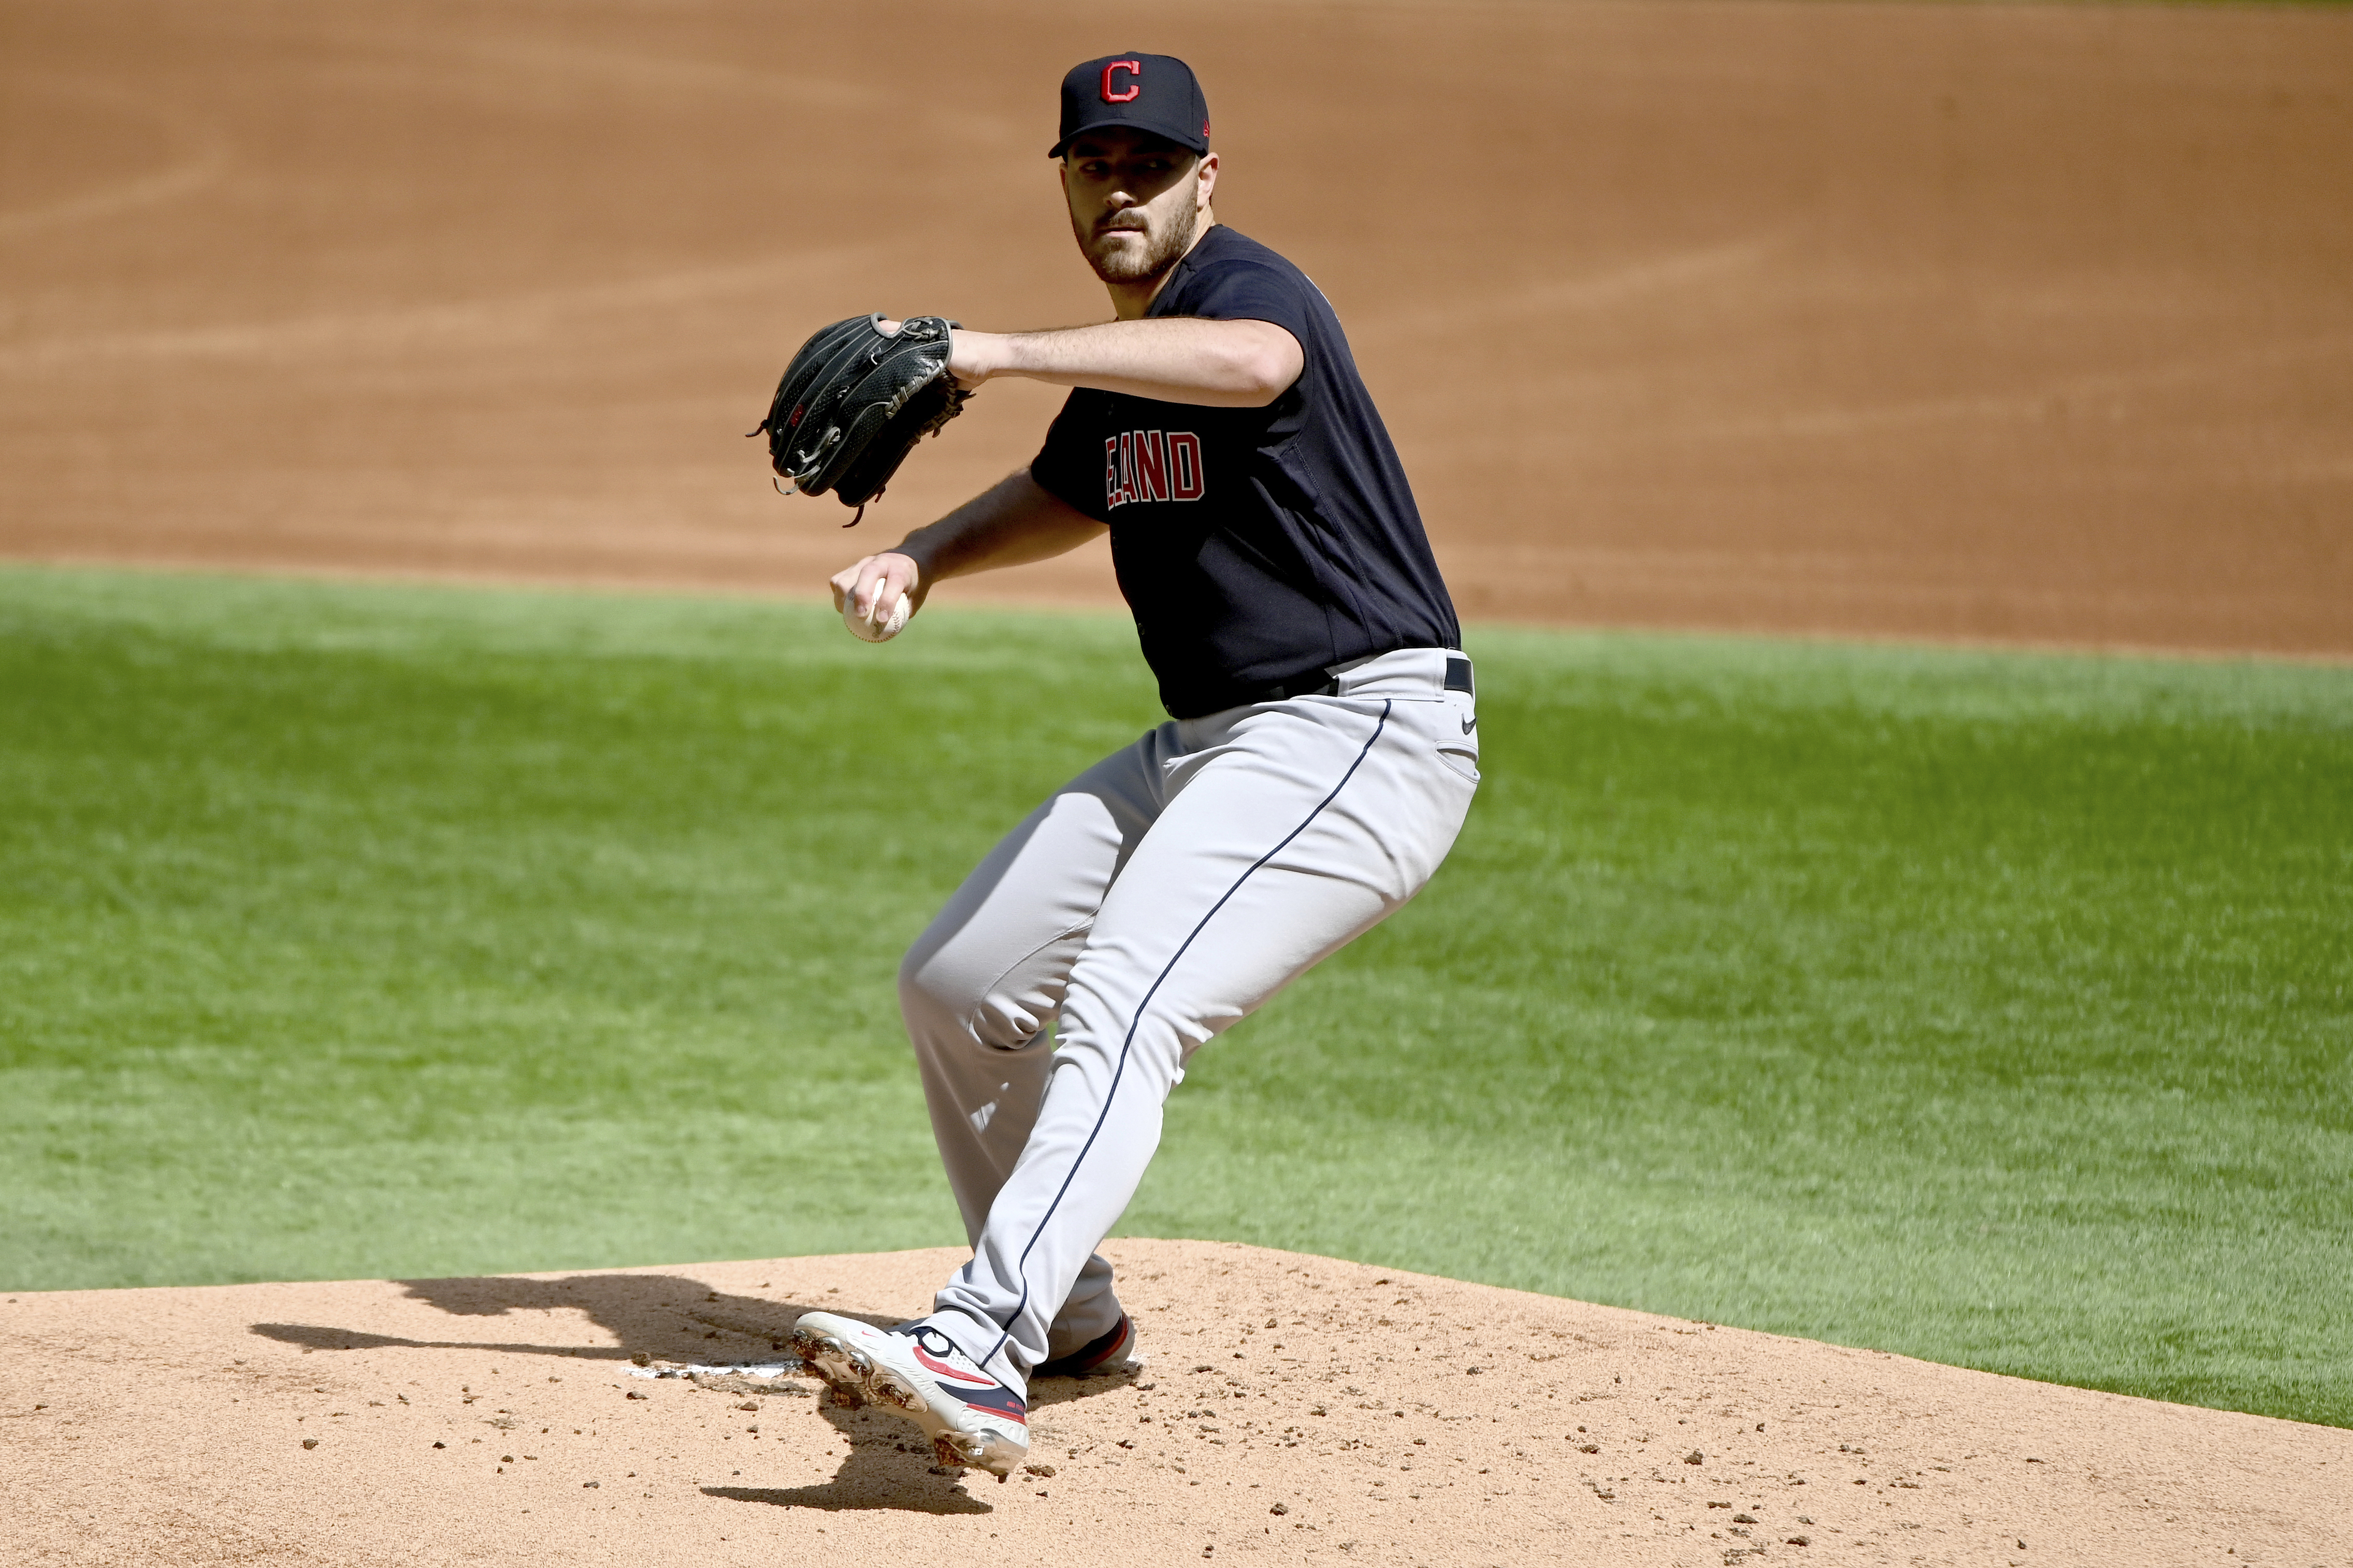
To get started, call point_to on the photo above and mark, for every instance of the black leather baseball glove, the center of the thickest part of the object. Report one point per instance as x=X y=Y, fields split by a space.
x=855 y=401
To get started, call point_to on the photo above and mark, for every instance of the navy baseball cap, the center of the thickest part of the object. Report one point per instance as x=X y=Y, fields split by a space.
x=1144 y=92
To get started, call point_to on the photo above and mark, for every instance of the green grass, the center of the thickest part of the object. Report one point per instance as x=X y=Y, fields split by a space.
x=1987 y=1007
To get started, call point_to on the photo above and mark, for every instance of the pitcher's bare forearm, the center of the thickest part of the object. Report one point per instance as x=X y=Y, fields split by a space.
x=1176 y=359
x=1013 y=522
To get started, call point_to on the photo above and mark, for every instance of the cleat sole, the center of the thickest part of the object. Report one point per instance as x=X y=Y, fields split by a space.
x=855 y=1380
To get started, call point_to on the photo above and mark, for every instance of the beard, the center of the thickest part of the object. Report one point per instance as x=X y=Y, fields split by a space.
x=1122 y=264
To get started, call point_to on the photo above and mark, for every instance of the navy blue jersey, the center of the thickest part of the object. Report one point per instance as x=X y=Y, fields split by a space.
x=1257 y=546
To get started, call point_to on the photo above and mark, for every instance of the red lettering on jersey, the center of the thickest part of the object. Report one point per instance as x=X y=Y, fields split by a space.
x=1151 y=466
x=1134 y=68
x=1185 y=465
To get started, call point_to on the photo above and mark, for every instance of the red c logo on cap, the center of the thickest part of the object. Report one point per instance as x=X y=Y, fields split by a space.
x=1134 y=68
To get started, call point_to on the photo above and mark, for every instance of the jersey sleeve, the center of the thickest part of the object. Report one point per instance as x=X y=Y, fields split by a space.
x=1241 y=289
x=1070 y=466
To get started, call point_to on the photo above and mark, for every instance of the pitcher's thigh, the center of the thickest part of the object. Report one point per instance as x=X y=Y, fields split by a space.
x=994 y=963
x=1284 y=849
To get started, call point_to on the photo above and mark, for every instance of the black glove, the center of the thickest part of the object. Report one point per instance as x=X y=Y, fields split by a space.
x=855 y=400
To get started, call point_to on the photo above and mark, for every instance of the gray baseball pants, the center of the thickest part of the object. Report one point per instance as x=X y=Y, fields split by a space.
x=1152 y=902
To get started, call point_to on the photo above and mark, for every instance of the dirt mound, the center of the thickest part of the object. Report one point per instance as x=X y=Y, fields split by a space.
x=1285 y=1409
x=1974 y=321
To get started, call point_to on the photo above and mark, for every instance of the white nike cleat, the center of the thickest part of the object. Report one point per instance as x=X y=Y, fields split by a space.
x=971 y=1417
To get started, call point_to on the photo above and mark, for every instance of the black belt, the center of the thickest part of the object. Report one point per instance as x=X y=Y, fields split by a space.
x=1458 y=678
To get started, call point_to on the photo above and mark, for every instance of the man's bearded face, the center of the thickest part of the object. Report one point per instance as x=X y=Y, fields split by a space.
x=1133 y=206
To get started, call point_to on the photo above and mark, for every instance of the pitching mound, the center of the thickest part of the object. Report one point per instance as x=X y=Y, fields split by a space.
x=1285 y=1408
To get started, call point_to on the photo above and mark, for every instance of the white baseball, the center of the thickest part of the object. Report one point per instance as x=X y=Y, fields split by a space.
x=876 y=631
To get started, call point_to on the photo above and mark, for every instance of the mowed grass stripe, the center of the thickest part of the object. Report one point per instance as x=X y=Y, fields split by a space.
x=1989 y=1007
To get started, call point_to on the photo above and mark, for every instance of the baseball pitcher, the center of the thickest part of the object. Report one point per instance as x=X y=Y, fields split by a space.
x=1321 y=751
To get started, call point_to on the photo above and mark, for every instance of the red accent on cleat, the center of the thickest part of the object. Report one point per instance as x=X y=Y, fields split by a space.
x=944 y=1370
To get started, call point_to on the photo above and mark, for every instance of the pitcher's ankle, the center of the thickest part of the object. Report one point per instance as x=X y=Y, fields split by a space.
x=988 y=1346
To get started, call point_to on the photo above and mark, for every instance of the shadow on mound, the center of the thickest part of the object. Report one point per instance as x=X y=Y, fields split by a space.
x=843 y=1496
x=889 y=1467
x=661 y=1317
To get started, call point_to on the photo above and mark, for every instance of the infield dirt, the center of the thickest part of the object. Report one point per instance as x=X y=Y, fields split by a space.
x=1286 y=1409
x=1987 y=321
